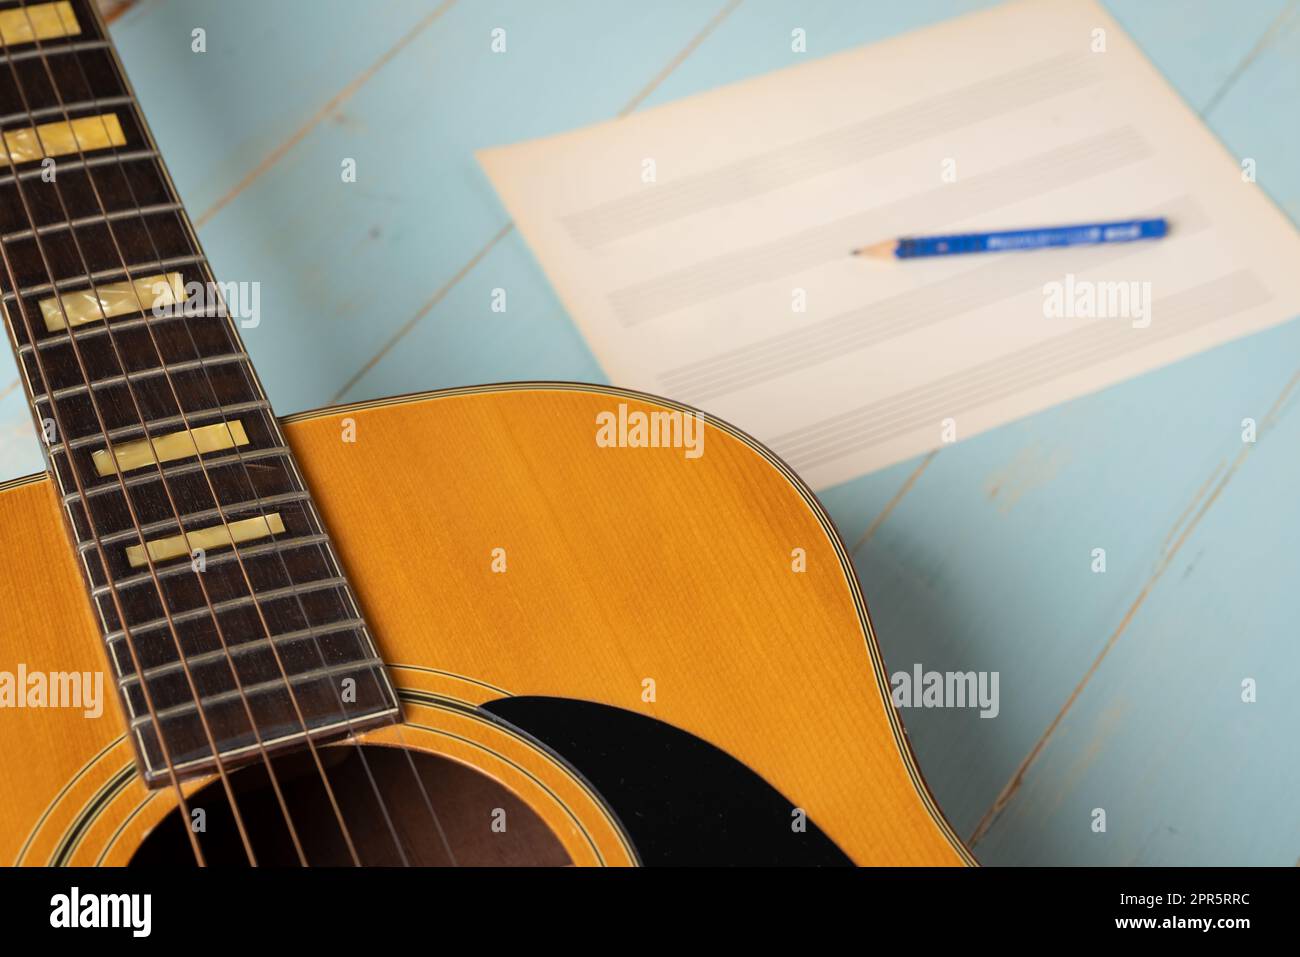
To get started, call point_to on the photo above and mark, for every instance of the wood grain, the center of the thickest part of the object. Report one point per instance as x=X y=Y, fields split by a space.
x=955 y=579
x=622 y=565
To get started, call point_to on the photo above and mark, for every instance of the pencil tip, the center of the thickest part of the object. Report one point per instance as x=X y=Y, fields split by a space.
x=877 y=250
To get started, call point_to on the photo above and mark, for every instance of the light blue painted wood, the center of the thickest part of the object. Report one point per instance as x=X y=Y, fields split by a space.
x=217 y=115
x=986 y=565
x=1256 y=116
x=1199 y=45
x=20 y=454
x=269 y=67
x=1114 y=470
x=1160 y=737
x=960 y=578
x=355 y=261
x=343 y=265
x=983 y=563
x=754 y=39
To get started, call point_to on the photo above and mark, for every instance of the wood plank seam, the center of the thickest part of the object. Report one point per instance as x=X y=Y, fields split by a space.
x=1271 y=33
x=1172 y=536
x=682 y=55
x=893 y=503
x=441 y=293
x=330 y=107
x=1267 y=38
x=1275 y=30
x=1012 y=786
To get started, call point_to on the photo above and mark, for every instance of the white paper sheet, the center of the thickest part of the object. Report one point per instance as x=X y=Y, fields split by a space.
x=725 y=280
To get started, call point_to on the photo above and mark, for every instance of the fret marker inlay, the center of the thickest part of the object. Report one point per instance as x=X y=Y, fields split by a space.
x=166 y=444
x=84 y=134
x=44 y=21
x=169 y=448
x=218 y=536
x=112 y=299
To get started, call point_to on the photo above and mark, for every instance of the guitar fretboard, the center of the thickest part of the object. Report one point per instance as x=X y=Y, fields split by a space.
x=228 y=623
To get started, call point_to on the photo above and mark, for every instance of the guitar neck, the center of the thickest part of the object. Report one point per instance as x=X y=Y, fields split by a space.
x=229 y=625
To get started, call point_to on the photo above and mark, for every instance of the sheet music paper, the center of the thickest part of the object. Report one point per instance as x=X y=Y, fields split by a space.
x=703 y=246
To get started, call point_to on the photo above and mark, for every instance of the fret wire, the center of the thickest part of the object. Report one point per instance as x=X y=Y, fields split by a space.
x=244 y=649
x=310 y=510
x=106 y=274
x=229 y=604
x=215 y=748
x=383 y=685
x=204 y=267
x=124 y=325
x=22 y=309
x=273 y=745
x=29 y=119
x=129 y=432
x=169 y=421
x=85 y=163
x=207 y=514
x=96 y=277
x=183 y=468
x=261 y=687
x=54 y=285
x=63 y=48
x=116 y=215
x=180 y=522
x=383 y=682
x=253 y=550
x=186 y=365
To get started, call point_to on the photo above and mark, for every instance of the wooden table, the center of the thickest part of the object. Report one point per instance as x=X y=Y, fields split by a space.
x=1120 y=691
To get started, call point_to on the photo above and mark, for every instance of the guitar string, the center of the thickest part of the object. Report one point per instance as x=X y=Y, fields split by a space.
x=249 y=376
x=405 y=748
x=162 y=595
x=342 y=710
x=272 y=776
x=64 y=440
x=245 y=371
x=198 y=698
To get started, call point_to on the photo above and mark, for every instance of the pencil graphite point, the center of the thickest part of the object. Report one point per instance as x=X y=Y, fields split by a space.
x=881 y=250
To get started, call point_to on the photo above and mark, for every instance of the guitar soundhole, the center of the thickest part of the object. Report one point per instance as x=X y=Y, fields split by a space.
x=475 y=821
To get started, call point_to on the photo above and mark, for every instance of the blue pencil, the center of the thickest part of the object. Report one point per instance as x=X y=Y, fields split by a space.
x=1015 y=240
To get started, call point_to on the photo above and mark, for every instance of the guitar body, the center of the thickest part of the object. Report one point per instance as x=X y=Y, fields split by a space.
x=604 y=655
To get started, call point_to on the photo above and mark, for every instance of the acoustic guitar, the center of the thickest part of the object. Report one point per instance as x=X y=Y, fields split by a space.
x=540 y=623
